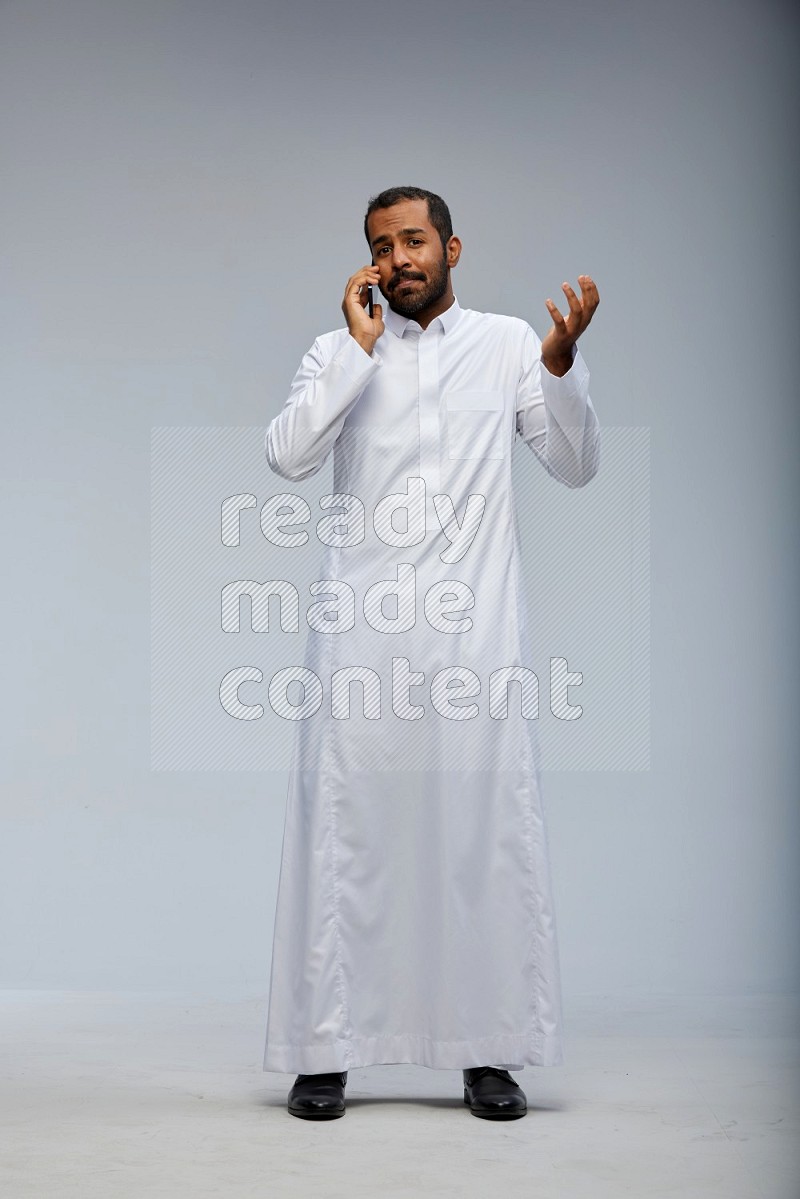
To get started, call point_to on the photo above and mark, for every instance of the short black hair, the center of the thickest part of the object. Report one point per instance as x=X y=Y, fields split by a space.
x=438 y=212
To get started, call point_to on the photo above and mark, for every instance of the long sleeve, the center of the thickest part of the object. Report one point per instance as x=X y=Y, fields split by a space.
x=555 y=416
x=323 y=391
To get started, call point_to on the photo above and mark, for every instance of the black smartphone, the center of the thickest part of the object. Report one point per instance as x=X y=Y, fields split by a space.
x=370 y=307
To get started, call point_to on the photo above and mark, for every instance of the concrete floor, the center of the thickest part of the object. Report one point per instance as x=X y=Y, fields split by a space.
x=119 y=1095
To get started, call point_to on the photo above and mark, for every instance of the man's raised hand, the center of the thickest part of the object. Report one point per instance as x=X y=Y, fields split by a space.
x=557 y=345
x=364 y=329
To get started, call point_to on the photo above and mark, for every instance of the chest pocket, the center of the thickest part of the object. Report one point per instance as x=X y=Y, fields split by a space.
x=476 y=425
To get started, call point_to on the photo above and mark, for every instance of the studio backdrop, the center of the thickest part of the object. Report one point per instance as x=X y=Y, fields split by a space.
x=184 y=193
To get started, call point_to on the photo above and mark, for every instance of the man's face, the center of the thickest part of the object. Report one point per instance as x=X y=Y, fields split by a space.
x=406 y=246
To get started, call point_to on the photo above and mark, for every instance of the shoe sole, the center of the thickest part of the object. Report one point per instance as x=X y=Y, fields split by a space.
x=306 y=1115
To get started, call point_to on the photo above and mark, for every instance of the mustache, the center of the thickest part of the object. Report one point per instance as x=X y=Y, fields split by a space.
x=404 y=279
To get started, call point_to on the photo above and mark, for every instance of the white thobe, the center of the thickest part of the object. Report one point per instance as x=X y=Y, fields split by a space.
x=415 y=919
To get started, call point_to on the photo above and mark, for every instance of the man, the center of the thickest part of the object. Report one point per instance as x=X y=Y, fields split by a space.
x=414 y=920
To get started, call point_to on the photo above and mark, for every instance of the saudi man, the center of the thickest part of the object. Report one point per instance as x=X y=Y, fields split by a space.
x=414 y=920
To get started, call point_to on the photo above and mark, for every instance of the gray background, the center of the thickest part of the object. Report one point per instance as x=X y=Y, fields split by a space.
x=183 y=193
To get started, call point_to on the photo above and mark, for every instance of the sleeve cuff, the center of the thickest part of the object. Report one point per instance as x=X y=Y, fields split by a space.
x=575 y=382
x=355 y=360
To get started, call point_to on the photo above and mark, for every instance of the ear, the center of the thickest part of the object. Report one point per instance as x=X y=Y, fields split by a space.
x=453 y=251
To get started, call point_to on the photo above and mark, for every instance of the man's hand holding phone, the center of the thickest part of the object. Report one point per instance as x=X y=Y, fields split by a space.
x=364 y=328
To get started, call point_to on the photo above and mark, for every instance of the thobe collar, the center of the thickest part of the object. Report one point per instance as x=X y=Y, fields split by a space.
x=400 y=324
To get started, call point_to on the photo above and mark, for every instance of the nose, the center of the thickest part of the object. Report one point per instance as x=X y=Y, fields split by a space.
x=400 y=258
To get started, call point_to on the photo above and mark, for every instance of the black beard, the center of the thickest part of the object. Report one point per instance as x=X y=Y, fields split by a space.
x=423 y=296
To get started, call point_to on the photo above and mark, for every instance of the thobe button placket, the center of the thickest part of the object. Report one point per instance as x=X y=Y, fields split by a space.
x=428 y=351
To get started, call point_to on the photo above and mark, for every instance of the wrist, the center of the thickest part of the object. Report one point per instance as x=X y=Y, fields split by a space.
x=367 y=343
x=557 y=364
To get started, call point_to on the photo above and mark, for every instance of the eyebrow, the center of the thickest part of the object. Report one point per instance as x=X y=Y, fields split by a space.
x=386 y=237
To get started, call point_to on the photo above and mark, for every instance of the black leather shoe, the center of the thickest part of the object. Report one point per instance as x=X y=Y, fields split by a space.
x=318 y=1096
x=492 y=1094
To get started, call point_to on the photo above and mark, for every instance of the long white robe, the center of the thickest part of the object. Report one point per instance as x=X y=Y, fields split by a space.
x=415 y=920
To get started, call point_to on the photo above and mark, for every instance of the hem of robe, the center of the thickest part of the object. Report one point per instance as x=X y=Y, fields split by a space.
x=412 y=1049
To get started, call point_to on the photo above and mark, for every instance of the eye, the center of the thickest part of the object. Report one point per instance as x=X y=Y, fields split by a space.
x=416 y=239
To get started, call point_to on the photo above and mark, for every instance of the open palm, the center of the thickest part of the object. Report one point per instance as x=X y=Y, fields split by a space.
x=565 y=332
